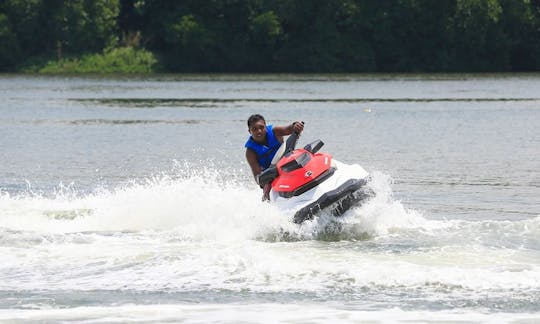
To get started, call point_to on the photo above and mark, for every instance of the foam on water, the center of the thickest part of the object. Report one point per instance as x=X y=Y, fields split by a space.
x=206 y=205
x=192 y=231
x=198 y=204
x=256 y=313
x=195 y=205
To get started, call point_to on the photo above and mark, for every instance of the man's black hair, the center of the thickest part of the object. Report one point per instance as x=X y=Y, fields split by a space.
x=254 y=118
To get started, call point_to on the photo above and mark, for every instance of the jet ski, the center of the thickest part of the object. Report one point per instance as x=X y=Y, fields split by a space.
x=306 y=182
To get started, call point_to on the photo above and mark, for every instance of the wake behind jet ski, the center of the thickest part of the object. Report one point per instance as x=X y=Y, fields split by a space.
x=306 y=182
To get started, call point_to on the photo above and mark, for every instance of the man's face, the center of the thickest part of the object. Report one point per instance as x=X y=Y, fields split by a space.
x=258 y=131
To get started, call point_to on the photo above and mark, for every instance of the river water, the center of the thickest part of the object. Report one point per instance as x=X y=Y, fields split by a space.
x=128 y=199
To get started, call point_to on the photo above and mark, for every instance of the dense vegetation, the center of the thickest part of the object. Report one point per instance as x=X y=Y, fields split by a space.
x=269 y=35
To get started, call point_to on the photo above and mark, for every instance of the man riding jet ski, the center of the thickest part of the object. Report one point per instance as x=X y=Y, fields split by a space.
x=305 y=182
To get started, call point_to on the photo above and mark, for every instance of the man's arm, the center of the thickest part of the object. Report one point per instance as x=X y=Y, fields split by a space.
x=251 y=158
x=281 y=131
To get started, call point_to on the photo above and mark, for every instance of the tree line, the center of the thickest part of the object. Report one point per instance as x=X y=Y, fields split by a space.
x=279 y=35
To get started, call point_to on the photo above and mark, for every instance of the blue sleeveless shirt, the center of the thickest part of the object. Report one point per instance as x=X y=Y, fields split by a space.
x=265 y=153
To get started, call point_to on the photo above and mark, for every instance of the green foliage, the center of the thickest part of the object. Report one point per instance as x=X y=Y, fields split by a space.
x=188 y=34
x=118 y=60
x=82 y=25
x=266 y=26
x=275 y=35
x=59 y=28
x=521 y=25
x=24 y=21
x=473 y=27
x=9 y=50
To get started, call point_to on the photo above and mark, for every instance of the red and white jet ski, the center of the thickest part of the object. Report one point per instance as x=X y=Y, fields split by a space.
x=305 y=182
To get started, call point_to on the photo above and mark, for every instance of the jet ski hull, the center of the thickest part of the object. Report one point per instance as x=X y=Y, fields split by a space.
x=343 y=189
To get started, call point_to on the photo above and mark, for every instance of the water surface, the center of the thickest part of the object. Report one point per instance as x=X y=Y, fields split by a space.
x=129 y=199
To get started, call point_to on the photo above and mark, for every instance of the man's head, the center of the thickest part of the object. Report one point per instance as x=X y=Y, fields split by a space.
x=257 y=127
x=254 y=118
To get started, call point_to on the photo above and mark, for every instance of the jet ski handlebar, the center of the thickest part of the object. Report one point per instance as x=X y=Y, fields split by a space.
x=268 y=175
x=290 y=144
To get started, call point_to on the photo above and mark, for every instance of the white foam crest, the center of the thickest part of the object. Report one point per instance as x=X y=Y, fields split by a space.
x=383 y=213
x=195 y=203
x=514 y=234
x=380 y=215
x=257 y=313
x=202 y=203
x=199 y=203
x=383 y=216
